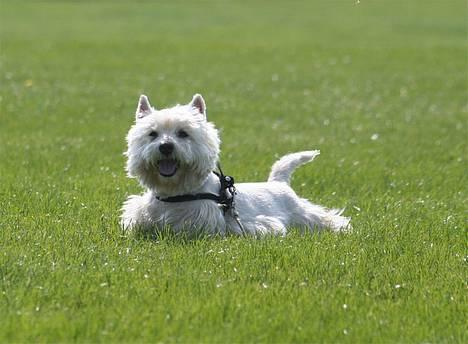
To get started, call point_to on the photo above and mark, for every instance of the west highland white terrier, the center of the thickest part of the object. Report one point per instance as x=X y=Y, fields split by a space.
x=174 y=154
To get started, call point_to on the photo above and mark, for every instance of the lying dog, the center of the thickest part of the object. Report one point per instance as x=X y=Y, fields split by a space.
x=174 y=152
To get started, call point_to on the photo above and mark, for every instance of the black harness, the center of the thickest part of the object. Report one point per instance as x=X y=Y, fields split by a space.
x=225 y=199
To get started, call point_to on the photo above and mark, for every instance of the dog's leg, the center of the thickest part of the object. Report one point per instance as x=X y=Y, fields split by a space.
x=260 y=225
x=269 y=225
x=314 y=216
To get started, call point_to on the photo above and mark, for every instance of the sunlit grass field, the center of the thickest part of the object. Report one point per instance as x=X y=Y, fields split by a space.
x=380 y=87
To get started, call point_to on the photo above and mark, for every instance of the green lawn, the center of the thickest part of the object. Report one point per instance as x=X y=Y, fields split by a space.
x=380 y=87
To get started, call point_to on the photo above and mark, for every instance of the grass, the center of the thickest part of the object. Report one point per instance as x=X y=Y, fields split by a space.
x=379 y=87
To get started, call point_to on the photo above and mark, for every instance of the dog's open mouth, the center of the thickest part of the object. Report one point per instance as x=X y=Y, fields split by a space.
x=167 y=167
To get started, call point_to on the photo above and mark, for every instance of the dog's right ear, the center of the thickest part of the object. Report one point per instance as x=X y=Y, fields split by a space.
x=144 y=107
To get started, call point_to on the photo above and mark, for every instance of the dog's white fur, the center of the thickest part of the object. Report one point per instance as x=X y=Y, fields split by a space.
x=263 y=208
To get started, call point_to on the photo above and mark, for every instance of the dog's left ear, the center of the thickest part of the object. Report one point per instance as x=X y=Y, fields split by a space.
x=198 y=103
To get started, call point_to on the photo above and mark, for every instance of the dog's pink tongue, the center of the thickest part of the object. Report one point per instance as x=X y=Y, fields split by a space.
x=167 y=167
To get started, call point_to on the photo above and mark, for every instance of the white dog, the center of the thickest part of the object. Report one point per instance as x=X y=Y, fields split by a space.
x=174 y=152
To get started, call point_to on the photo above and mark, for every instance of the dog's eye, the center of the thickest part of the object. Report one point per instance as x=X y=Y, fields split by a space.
x=182 y=134
x=153 y=134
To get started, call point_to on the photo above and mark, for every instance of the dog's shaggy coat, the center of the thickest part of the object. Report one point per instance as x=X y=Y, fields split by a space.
x=174 y=152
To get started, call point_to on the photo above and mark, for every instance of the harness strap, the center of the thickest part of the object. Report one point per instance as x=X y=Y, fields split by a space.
x=225 y=198
x=188 y=198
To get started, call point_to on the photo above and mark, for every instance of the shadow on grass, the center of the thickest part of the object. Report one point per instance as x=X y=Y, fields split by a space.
x=168 y=235
x=190 y=236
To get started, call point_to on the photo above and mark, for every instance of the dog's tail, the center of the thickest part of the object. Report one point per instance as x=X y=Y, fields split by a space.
x=284 y=167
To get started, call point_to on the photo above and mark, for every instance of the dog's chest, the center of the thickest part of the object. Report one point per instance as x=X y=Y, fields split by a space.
x=191 y=215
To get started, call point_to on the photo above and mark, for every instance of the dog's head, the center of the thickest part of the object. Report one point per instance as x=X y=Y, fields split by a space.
x=173 y=150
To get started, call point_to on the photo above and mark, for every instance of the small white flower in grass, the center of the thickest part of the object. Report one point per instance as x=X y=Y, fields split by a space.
x=103 y=284
x=403 y=92
x=345 y=306
x=146 y=275
x=345 y=332
x=219 y=285
x=264 y=285
x=375 y=137
x=397 y=286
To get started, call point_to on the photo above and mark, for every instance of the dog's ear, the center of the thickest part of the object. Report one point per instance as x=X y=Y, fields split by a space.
x=198 y=103
x=144 y=107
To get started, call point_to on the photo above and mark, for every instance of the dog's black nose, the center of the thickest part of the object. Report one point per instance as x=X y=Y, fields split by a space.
x=166 y=148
